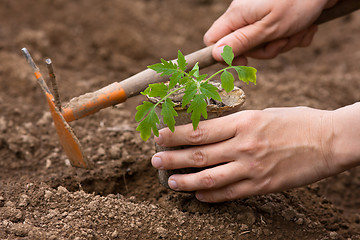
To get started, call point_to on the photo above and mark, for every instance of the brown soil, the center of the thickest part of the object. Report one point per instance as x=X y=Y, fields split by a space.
x=93 y=43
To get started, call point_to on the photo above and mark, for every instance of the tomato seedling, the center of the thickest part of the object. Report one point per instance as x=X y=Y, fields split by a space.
x=197 y=91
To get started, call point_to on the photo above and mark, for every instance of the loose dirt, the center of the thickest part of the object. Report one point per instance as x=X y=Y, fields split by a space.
x=94 y=43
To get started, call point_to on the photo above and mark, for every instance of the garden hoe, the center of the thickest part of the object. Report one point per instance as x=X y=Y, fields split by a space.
x=118 y=92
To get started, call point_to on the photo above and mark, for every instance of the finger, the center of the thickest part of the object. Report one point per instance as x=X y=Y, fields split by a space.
x=240 y=61
x=211 y=178
x=270 y=50
x=238 y=190
x=225 y=24
x=297 y=39
x=241 y=40
x=309 y=36
x=331 y=3
x=210 y=131
x=274 y=48
x=204 y=156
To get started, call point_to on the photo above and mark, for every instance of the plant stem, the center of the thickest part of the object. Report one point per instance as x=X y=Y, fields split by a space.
x=170 y=93
x=218 y=72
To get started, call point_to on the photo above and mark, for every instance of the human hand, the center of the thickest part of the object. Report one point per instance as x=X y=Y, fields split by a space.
x=275 y=26
x=259 y=152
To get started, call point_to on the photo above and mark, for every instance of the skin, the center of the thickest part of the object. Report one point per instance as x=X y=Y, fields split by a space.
x=263 y=29
x=266 y=150
x=261 y=151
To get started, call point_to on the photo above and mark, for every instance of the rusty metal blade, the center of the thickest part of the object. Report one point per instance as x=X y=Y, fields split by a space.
x=67 y=138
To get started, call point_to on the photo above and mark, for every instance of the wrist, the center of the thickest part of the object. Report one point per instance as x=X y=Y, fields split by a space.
x=346 y=137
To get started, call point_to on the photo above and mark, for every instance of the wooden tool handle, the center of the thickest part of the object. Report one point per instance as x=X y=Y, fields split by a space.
x=118 y=92
x=342 y=8
x=140 y=81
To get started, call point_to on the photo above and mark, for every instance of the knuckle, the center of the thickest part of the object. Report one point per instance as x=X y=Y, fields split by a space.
x=250 y=146
x=234 y=5
x=272 y=54
x=207 y=180
x=242 y=39
x=268 y=185
x=166 y=134
x=230 y=193
x=252 y=117
x=199 y=158
x=198 y=136
x=257 y=167
x=265 y=185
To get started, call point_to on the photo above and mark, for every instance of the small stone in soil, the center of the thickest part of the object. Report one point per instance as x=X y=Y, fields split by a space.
x=11 y=213
x=114 y=234
x=62 y=189
x=2 y=201
x=20 y=230
x=48 y=194
x=115 y=151
x=24 y=200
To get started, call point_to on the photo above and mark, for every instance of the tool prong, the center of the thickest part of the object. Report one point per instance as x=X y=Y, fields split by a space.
x=53 y=83
x=29 y=59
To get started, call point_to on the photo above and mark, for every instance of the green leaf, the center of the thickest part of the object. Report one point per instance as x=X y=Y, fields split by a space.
x=184 y=80
x=175 y=79
x=210 y=91
x=142 y=110
x=181 y=61
x=189 y=93
x=227 y=81
x=197 y=91
x=158 y=90
x=169 y=113
x=228 y=55
x=201 y=77
x=165 y=67
x=197 y=108
x=195 y=71
x=146 y=91
x=246 y=74
x=148 y=124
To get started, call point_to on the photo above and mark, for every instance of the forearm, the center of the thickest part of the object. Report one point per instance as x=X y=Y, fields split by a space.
x=346 y=137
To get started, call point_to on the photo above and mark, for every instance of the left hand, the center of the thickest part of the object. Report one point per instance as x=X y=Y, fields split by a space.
x=260 y=152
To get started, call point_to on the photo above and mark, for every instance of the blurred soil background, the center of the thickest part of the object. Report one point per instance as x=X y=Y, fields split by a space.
x=94 y=43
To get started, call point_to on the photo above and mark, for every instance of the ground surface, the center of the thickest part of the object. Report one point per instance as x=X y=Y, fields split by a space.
x=93 y=43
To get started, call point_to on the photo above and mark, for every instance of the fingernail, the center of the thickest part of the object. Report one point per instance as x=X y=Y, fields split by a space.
x=218 y=52
x=157 y=162
x=200 y=196
x=172 y=184
x=159 y=140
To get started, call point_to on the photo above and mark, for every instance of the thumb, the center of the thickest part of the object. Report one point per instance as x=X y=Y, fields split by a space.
x=241 y=40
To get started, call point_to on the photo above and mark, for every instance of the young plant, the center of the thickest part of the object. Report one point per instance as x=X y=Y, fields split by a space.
x=197 y=91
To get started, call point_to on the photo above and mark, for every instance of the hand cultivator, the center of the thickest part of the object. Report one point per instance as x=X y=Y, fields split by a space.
x=118 y=92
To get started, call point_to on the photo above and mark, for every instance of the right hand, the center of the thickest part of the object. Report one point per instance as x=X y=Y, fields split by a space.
x=262 y=29
x=257 y=152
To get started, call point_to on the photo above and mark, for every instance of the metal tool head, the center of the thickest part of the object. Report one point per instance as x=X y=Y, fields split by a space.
x=67 y=138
